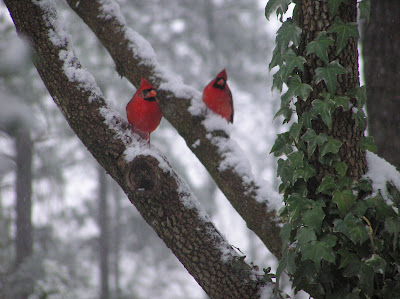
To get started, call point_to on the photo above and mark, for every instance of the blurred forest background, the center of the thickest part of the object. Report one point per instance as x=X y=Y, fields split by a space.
x=64 y=224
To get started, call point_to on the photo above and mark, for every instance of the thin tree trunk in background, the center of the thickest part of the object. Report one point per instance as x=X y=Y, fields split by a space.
x=23 y=207
x=381 y=48
x=104 y=234
x=117 y=239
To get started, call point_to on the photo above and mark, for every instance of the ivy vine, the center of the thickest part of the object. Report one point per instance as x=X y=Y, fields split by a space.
x=343 y=228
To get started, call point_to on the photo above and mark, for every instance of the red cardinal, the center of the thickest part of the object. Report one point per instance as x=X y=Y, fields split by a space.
x=143 y=111
x=218 y=96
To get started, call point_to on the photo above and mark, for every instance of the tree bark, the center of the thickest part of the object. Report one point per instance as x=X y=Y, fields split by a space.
x=314 y=19
x=241 y=191
x=23 y=207
x=381 y=46
x=160 y=195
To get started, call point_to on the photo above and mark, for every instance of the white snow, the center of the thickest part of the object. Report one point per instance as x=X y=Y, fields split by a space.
x=266 y=192
x=110 y=9
x=215 y=122
x=267 y=291
x=196 y=143
x=56 y=31
x=58 y=36
x=380 y=172
x=77 y=74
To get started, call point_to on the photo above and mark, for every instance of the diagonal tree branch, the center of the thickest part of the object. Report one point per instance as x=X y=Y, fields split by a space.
x=161 y=196
x=181 y=106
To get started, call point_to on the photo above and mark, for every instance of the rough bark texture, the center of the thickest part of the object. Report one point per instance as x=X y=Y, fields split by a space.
x=156 y=193
x=23 y=208
x=381 y=47
x=314 y=19
x=241 y=194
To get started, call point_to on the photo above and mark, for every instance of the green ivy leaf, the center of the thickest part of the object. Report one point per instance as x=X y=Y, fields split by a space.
x=292 y=62
x=329 y=75
x=360 y=93
x=277 y=80
x=329 y=239
x=313 y=140
x=340 y=167
x=342 y=101
x=297 y=89
x=334 y=6
x=286 y=112
x=317 y=251
x=276 y=58
x=344 y=32
x=307 y=117
x=280 y=6
x=327 y=185
x=297 y=205
x=347 y=258
x=392 y=225
x=305 y=173
x=344 y=182
x=344 y=200
x=352 y=227
x=359 y=208
x=283 y=145
x=305 y=235
x=300 y=186
x=365 y=9
x=360 y=119
x=331 y=146
x=296 y=159
x=377 y=263
x=320 y=46
x=325 y=109
x=367 y=143
x=366 y=276
x=295 y=130
x=313 y=218
x=285 y=233
x=285 y=172
x=287 y=262
x=288 y=32
x=306 y=270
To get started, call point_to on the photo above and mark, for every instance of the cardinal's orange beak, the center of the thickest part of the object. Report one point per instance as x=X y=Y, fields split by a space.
x=220 y=82
x=151 y=94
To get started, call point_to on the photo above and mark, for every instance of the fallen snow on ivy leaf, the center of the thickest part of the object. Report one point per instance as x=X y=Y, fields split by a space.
x=380 y=172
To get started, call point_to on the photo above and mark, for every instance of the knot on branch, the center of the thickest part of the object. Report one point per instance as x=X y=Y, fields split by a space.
x=142 y=174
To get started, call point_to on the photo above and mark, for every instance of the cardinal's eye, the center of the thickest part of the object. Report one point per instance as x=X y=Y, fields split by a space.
x=220 y=83
x=146 y=91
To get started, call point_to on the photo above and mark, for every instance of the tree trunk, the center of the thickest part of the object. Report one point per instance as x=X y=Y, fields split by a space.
x=382 y=76
x=117 y=238
x=103 y=220
x=23 y=207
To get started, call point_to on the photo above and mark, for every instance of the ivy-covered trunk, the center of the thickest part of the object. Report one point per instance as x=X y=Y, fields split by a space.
x=336 y=237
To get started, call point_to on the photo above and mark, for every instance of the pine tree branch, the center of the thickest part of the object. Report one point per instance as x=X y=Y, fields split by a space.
x=160 y=195
x=134 y=58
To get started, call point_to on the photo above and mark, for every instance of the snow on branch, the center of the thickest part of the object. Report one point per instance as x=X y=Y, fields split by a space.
x=160 y=195
x=182 y=106
x=381 y=173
